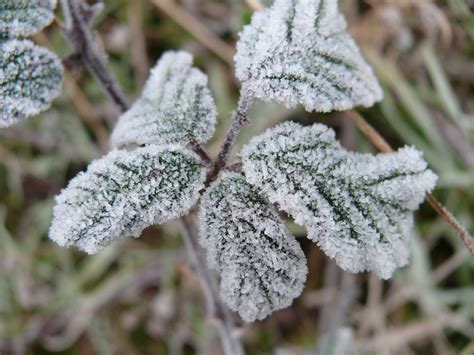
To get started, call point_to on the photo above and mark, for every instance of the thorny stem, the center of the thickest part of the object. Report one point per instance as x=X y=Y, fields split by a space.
x=381 y=144
x=239 y=119
x=78 y=32
x=80 y=36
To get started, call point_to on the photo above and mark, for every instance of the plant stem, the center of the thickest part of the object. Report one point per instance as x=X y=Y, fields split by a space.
x=220 y=316
x=201 y=152
x=239 y=119
x=381 y=144
x=80 y=36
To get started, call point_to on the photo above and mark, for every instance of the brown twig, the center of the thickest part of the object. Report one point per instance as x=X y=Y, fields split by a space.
x=381 y=144
x=80 y=36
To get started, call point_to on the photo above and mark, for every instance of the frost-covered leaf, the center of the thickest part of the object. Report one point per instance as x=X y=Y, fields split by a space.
x=262 y=266
x=176 y=106
x=123 y=193
x=357 y=207
x=297 y=52
x=25 y=17
x=30 y=78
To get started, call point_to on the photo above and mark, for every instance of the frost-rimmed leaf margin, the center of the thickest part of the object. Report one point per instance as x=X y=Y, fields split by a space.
x=21 y=18
x=357 y=207
x=261 y=265
x=176 y=106
x=124 y=192
x=298 y=52
x=30 y=79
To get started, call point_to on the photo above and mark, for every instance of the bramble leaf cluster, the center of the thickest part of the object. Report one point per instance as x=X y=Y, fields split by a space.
x=357 y=207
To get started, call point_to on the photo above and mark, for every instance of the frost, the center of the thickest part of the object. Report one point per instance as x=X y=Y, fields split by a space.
x=30 y=78
x=176 y=106
x=297 y=52
x=25 y=17
x=262 y=266
x=124 y=192
x=357 y=207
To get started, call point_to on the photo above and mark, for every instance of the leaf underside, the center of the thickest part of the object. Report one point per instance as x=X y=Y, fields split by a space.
x=19 y=18
x=30 y=78
x=124 y=192
x=297 y=52
x=357 y=207
x=175 y=107
x=262 y=266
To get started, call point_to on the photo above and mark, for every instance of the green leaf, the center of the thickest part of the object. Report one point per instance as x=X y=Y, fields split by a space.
x=357 y=207
x=20 y=18
x=262 y=266
x=123 y=193
x=30 y=78
x=297 y=52
x=176 y=106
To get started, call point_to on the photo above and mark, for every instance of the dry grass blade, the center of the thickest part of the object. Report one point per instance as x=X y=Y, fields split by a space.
x=206 y=37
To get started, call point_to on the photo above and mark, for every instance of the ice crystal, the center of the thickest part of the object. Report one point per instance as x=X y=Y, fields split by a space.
x=297 y=52
x=357 y=207
x=25 y=17
x=262 y=266
x=30 y=78
x=124 y=192
x=176 y=106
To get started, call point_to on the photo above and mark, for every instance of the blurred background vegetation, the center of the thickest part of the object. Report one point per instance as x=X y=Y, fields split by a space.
x=139 y=296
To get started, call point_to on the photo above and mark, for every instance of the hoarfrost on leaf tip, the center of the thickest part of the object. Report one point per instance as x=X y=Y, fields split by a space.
x=175 y=107
x=357 y=207
x=297 y=52
x=262 y=267
x=30 y=78
x=123 y=193
x=19 y=18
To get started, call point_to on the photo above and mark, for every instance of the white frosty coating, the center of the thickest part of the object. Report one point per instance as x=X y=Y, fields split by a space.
x=30 y=78
x=357 y=207
x=123 y=193
x=262 y=267
x=297 y=52
x=20 y=18
x=176 y=106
